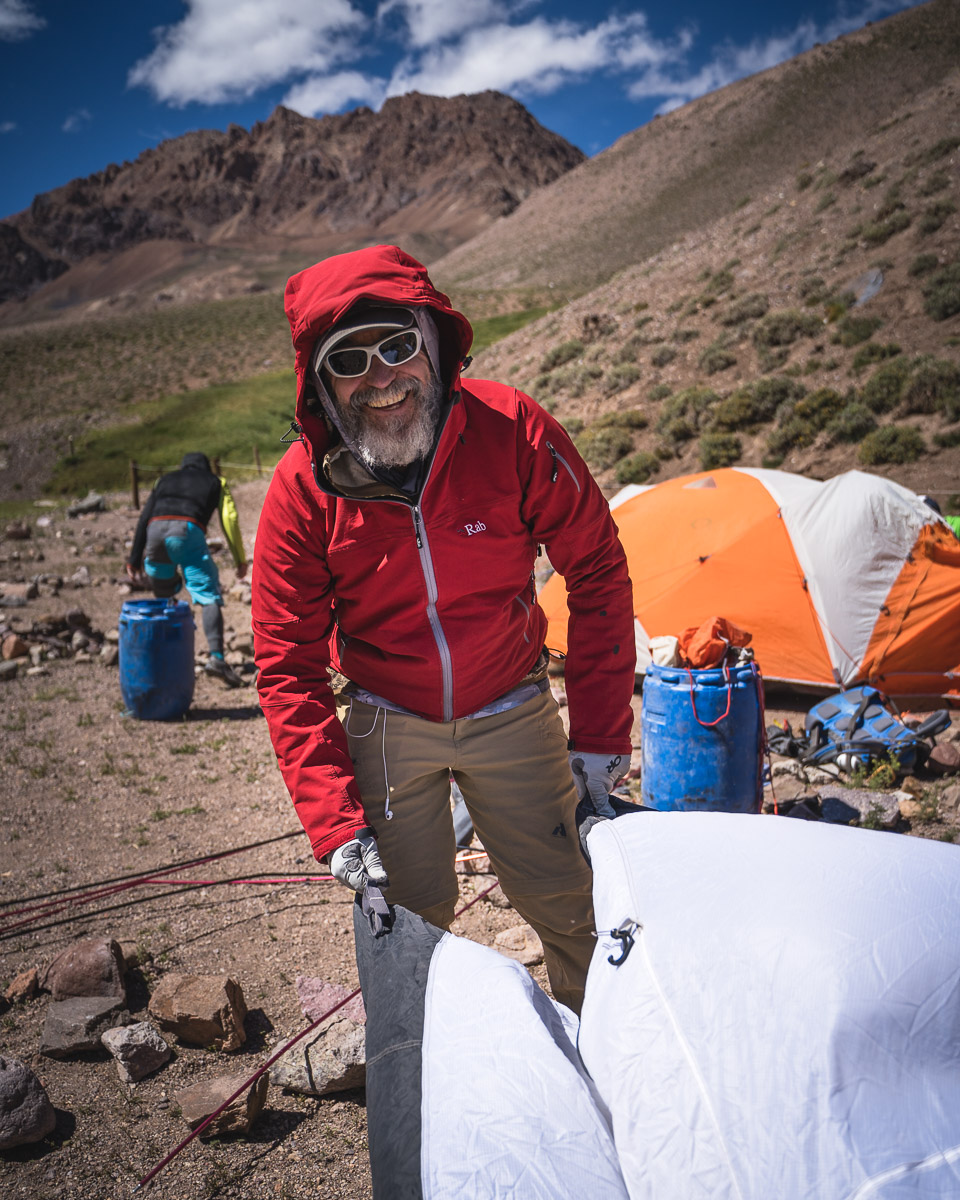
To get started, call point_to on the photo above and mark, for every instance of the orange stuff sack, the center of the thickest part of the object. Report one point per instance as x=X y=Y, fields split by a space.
x=705 y=645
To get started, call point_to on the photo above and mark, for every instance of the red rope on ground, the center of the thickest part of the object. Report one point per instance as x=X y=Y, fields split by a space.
x=271 y=1060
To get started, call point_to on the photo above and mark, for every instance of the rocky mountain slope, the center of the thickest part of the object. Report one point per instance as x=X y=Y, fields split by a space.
x=433 y=171
x=683 y=171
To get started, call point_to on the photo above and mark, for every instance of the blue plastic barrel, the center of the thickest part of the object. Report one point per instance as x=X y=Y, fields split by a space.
x=693 y=757
x=156 y=659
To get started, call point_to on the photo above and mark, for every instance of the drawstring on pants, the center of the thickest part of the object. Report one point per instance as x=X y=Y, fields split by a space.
x=387 y=811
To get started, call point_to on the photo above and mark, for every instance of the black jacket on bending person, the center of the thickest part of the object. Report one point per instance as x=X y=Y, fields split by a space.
x=190 y=494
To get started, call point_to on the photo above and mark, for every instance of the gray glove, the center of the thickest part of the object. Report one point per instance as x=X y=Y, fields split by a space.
x=596 y=775
x=357 y=863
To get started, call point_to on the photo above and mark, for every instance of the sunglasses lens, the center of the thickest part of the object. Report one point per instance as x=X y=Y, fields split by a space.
x=352 y=361
x=399 y=349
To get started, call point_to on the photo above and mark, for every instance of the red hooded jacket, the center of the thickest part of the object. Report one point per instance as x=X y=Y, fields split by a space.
x=431 y=597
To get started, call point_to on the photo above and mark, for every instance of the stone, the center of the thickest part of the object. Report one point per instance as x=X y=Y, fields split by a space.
x=93 y=502
x=74 y=1026
x=92 y=967
x=38 y=670
x=950 y=798
x=910 y=808
x=76 y=618
x=912 y=786
x=841 y=806
x=944 y=759
x=26 y=1114
x=109 y=655
x=138 y=1049
x=20 y=591
x=12 y=601
x=79 y=640
x=497 y=898
x=17 y=531
x=201 y=1099
x=81 y=577
x=522 y=943
x=317 y=997
x=112 y=636
x=332 y=1059
x=8 y=670
x=13 y=646
x=202 y=1010
x=23 y=987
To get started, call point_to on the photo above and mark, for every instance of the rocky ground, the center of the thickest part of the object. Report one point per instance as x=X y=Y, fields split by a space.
x=90 y=795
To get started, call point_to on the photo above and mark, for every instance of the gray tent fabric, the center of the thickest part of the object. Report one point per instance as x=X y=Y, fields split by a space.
x=393 y=975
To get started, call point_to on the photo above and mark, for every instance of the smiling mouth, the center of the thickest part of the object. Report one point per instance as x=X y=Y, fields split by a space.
x=387 y=403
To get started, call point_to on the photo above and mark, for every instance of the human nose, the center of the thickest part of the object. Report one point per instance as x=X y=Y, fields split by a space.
x=380 y=375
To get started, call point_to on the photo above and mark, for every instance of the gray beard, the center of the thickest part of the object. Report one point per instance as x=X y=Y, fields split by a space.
x=399 y=441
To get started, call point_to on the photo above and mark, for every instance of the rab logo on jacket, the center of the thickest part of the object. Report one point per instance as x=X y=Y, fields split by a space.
x=470 y=530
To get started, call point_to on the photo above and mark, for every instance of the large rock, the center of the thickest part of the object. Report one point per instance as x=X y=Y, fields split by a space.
x=317 y=997
x=138 y=1049
x=26 y=1114
x=333 y=1059
x=13 y=646
x=842 y=806
x=944 y=759
x=199 y=1101
x=522 y=943
x=93 y=967
x=74 y=1026
x=203 y=1010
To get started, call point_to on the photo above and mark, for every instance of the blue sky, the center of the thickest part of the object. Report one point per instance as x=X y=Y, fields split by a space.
x=84 y=84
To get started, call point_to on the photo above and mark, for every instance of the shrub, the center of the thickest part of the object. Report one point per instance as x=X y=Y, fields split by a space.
x=934 y=183
x=935 y=387
x=852 y=423
x=564 y=353
x=856 y=170
x=601 y=448
x=682 y=336
x=878 y=232
x=934 y=153
x=660 y=391
x=755 y=404
x=942 y=292
x=801 y=420
x=935 y=215
x=853 y=330
x=948 y=438
x=721 y=282
x=637 y=468
x=663 y=451
x=819 y=407
x=784 y=327
x=812 y=289
x=923 y=264
x=804 y=179
x=630 y=349
x=827 y=200
x=874 y=352
x=573 y=425
x=719 y=450
x=628 y=418
x=575 y=380
x=882 y=390
x=620 y=377
x=716 y=358
x=747 y=308
x=683 y=414
x=663 y=355
x=892 y=444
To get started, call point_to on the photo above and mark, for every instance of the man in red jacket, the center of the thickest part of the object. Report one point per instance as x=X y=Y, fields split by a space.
x=397 y=545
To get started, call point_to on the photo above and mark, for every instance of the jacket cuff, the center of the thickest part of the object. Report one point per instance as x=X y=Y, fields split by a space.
x=601 y=746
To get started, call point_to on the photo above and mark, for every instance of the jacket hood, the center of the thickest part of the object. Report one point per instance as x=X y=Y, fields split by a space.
x=195 y=460
x=320 y=297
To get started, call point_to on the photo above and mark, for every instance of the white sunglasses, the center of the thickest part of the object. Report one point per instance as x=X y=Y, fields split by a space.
x=352 y=361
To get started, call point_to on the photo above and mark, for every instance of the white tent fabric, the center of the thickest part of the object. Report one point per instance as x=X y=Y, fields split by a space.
x=787 y=1023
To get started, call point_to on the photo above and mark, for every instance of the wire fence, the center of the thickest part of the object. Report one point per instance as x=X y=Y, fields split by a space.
x=144 y=472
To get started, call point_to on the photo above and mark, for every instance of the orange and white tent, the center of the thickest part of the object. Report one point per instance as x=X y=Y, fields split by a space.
x=850 y=581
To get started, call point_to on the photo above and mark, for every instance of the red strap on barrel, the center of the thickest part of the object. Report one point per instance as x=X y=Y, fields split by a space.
x=693 y=703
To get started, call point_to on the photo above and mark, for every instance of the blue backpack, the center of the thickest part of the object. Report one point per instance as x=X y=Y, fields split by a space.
x=856 y=729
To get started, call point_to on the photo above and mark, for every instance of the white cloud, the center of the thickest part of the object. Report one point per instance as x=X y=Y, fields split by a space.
x=731 y=62
x=229 y=49
x=430 y=21
x=535 y=57
x=7 y=126
x=329 y=93
x=18 y=20
x=76 y=121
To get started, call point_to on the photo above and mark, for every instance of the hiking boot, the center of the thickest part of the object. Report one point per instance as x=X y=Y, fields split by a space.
x=222 y=670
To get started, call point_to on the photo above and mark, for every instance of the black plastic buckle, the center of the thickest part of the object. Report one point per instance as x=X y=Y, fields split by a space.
x=624 y=935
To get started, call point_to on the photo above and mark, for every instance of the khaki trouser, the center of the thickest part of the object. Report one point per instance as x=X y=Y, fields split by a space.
x=515 y=777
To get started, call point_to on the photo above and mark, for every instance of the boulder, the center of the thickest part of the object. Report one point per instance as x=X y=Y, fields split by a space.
x=944 y=759
x=74 y=1026
x=522 y=943
x=19 y=593
x=950 y=799
x=202 y=1010
x=17 y=531
x=842 y=805
x=24 y=987
x=332 y=1059
x=317 y=997
x=93 y=502
x=92 y=967
x=26 y=1114
x=13 y=646
x=201 y=1099
x=138 y=1049
x=8 y=670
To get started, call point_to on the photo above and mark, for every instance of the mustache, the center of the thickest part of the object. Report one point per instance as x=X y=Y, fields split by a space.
x=392 y=393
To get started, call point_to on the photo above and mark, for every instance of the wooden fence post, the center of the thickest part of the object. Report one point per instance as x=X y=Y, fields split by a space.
x=134 y=484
